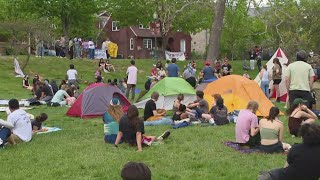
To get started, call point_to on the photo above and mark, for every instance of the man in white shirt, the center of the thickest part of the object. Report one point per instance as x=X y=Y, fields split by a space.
x=132 y=73
x=72 y=75
x=104 y=47
x=91 y=49
x=17 y=128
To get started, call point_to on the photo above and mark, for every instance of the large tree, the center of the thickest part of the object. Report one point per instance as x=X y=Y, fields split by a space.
x=216 y=31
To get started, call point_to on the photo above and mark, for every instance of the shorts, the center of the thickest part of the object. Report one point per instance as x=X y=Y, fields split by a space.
x=276 y=81
x=274 y=148
x=4 y=134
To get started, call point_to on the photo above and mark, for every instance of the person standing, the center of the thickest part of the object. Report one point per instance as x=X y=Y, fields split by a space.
x=173 y=69
x=132 y=73
x=85 y=48
x=91 y=47
x=299 y=79
x=40 y=49
x=276 y=77
x=104 y=47
x=252 y=57
x=264 y=84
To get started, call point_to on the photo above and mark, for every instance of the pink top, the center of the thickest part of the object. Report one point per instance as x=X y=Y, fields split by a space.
x=245 y=121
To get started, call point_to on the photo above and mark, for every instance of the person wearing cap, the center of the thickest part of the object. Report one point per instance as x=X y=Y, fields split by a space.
x=208 y=73
x=299 y=79
x=299 y=114
x=111 y=119
x=135 y=170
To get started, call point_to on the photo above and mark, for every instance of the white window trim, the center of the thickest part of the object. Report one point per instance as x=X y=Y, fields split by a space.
x=114 y=27
x=131 y=43
x=141 y=26
x=147 y=43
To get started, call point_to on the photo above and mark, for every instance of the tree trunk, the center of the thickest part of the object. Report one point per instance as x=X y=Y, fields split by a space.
x=216 y=31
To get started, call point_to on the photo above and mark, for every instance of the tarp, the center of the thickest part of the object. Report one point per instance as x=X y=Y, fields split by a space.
x=237 y=91
x=178 y=55
x=282 y=86
x=17 y=68
x=95 y=99
x=169 y=88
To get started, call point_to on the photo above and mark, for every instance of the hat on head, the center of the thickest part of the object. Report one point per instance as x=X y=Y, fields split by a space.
x=114 y=102
x=302 y=55
x=207 y=63
x=299 y=101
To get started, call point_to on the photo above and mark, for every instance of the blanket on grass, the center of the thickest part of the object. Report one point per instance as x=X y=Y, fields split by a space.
x=50 y=129
x=237 y=147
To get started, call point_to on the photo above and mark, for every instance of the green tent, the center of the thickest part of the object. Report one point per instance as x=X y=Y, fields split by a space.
x=169 y=88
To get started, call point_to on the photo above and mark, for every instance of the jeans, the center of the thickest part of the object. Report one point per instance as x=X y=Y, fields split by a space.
x=265 y=87
x=131 y=87
x=4 y=134
x=91 y=53
x=40 y=51
x=252 y=64
x=162 y=121
x=47 y=99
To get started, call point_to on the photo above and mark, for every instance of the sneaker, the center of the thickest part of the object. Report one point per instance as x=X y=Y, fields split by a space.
x=165 y=135
x=211 y=122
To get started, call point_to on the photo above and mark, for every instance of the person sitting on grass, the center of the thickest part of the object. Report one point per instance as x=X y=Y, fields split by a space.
x=37 y=123
x=154 y=71
x=131 y=130
x=208 y=73
x=17 y=128
x=99 y=71
x=135 y=171
x=101 y=62
x=99 y=79
x=177 y=102
x=60 y=98
x=271 y=131
x=161 y=73
x=25 y=83
x=247 y=128
x=302 y=160
x=111 y=120
x=109 y=66
x=219 y=113
x=180 y=114
x=299 y=114
x=152 y=116
x=198 y=107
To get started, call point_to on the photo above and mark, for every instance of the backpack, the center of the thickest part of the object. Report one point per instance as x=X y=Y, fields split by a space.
x=221 y=116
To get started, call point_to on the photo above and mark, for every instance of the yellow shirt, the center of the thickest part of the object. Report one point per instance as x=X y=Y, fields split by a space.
x=299 y=74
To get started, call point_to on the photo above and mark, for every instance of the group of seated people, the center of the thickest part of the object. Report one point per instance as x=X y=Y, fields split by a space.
x=104 y=66
x=19 y=127
x=268 y=132
x=46 y=92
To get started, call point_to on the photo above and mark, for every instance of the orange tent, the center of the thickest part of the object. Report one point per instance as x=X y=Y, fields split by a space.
x=237 y=91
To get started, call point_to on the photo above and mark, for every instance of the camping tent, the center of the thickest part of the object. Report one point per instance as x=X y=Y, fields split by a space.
x=169 y=88
x=237 y=91
x=283 y=61
x=94 y=100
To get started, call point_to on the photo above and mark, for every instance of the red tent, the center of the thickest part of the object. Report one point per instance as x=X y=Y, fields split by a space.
x=95 y=99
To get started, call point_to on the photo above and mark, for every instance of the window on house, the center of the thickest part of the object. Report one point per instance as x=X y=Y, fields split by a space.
x=131 y=44
x=147 y=43
x=115 y=26
x=140 y=26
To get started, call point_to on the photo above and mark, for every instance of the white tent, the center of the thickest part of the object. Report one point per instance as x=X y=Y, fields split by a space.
x=17 y=68
x=166 y=102
x=283 y=61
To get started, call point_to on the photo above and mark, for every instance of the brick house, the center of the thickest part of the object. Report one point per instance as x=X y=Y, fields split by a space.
x=139 y=41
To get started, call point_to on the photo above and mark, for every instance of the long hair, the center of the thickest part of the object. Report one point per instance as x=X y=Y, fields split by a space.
x=310 y=134
x=219 y=103
x=273 y=113
x=115 y=112
x=292 y=108
x=133 y=116
x=42 y=117
x=277 y=61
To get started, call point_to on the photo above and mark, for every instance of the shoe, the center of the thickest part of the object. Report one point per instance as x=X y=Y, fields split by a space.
x=165 y=135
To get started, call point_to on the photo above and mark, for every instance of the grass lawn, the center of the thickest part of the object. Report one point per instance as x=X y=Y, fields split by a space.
x=79 y=151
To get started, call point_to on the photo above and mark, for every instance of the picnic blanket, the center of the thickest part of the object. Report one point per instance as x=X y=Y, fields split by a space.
x=4 y=109
x=21 y=102
x=50 y=129
x=237 y=147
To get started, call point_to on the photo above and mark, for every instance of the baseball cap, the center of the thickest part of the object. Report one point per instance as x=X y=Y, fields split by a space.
x=207 y=63
x=114 y=102
x=299 y=101
x=302 y=55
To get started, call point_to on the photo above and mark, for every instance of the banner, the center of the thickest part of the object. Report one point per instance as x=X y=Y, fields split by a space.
x=178 y=55
x=98 y=54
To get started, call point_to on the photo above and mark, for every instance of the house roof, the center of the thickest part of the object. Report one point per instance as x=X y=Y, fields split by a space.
x=143 y=32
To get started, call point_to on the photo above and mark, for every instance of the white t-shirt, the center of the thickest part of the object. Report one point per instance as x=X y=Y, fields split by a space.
x=91 y=45
x=105 y=45
x=21 y=124
x=72 y=74
x=132 y=73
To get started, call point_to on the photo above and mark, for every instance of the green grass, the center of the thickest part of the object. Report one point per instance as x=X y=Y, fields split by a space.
x=79 y=152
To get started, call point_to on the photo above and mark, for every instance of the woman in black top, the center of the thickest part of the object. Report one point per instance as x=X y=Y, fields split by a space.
x=302 y=160
x=180 y=114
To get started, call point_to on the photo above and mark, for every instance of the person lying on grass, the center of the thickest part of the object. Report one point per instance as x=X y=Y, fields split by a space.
x=302 y=160
x=299 y=114
x=218 y=113
x=17 y=128
x=199 y=106
x=131 y=130
x=152 y=115
x=271 y=131
x=247 y=128
x=37 y=123
x=111 y=120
